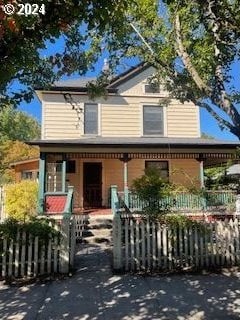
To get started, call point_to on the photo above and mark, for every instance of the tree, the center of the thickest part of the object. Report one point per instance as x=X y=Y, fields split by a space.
x=21 y=200
x=82 y=26
x=151 y=188
x=193 y=45
x=17 y=125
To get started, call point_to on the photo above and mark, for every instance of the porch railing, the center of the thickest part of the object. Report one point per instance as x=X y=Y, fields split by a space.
x=183 y=201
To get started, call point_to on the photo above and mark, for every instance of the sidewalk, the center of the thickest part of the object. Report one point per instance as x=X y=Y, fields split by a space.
x=93 y=292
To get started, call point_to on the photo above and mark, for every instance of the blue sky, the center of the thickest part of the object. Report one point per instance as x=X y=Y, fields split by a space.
x=208 y=123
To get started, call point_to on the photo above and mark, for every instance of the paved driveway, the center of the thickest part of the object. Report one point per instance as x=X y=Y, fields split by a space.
x=95 y=293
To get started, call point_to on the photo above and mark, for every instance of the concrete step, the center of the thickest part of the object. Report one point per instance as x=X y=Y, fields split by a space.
x=98 y=229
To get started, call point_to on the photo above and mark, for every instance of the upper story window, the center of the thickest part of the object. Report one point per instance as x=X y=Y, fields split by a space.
x=152 y=120
x=90 y=118
x=152 y=87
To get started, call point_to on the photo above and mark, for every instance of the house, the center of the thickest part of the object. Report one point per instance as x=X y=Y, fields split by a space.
x=94 y=144
x=26 y=169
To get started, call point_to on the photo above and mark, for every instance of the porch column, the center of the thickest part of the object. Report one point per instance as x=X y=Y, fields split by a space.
x=64 y=172
x=42 y=175
x=125 y=161
x=201 y=160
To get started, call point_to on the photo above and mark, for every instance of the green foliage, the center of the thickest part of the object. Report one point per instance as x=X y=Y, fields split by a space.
x=194 y=47
x=83 y=26
x=151 y=188
x=12 y=151
x=17 y=125
x=177 y=220
x=216 y=178
x=36 y=227
x=21 y=200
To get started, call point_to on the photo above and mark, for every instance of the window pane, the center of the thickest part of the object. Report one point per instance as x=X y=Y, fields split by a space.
x=152 y=120
x=162 y=166
x=54 y=177
x=90 y=119
x=152 y=88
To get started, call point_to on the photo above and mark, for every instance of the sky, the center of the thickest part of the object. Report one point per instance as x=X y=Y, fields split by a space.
x=207 y=122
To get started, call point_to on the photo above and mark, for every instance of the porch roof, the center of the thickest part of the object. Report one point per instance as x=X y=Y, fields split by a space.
x=139 y=142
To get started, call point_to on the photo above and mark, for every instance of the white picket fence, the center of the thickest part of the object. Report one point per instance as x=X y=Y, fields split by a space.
x=144 y=245
x=27 y=256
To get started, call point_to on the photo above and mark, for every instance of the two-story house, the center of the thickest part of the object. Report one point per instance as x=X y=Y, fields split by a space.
x=93 y=144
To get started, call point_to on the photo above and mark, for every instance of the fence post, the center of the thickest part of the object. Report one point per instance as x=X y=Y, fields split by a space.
x=117 y=242
x=238 y=204
x=64 y=260
x=117 y=232
x=72 y=240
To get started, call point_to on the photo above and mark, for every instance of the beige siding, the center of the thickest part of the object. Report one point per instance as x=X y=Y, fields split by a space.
x=119 y=115
x=135 y=86
x=182 y=120
x=185 y=172
x=181 y=172
x=120 y=121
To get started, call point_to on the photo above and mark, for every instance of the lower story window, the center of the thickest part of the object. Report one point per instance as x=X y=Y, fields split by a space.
x=161 y=166
x=29 y=175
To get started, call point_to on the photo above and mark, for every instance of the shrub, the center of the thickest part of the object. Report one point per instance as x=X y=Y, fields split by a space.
x=21 y=200
x=40 y=228
x=151 y=188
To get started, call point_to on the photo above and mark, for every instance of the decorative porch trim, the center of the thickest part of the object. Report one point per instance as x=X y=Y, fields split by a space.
x=149 y=155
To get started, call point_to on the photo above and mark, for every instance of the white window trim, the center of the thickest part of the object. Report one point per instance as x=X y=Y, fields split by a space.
x=164 y=118
x=99 y=129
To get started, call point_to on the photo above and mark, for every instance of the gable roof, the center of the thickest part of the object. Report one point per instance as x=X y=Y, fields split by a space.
x=80 y=84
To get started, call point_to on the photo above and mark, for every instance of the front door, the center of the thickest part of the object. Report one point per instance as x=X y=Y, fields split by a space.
x=92 y=184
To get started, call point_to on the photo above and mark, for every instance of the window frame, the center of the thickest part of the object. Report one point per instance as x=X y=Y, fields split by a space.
x=97 y=122
x=164 y=120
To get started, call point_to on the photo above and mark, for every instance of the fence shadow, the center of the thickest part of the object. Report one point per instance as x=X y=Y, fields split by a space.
x=93 y=293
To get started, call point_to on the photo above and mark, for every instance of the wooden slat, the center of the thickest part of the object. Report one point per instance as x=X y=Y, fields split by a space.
x=23 y=254
x=154 y=258
x=16 y=261
x=143 y=245
x=159 y=245
x=137 y=246
x=191 y=246
x=4 y=258
x=148 y=244
x=49 y=255
x=29 y=262
x=132 y=257
x=126 y=245
x=196 y=247
x=35 y=261
x=165 y=258
x=10 y=259
x=186 y=246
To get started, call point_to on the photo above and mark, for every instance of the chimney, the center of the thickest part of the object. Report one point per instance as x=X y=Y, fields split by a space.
x=105 y=68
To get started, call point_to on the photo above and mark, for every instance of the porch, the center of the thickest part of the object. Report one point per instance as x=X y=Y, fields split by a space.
x=92 y=165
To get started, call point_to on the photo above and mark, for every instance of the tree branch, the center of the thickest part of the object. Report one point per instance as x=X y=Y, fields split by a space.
x=222 y=122
x=187 y=60
x=221 y=99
